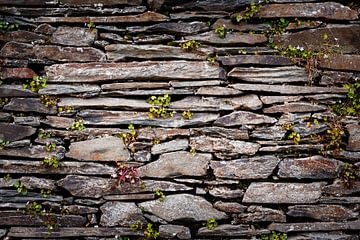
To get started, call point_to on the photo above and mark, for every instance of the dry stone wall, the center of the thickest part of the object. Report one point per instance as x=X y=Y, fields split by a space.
x=254 y=150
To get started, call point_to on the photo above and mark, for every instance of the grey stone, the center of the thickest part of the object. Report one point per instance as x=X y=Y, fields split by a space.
x=241 y=27
x=275 y=193
x=78 y=209
x=252 y=168
x=35 y=151
x=99 y=149
x=217 y=91
x=58 y=122
x=182 y=84
x=280 y=99
x=292 y=148
x=107 y=103
x=7 y=91
x=174 y=231
x=229 y=207
x=260 y=214
x=323 y=235
x=346 y=62
x=29 y=105
x=13 y=132
x=171 y=146
x=5 y=117
x=226 y=193
x=230 y=39
x=294 y=107
x=152 y=92
x=229 y=230
x=127 y=197
x=252 y=73
x=38 y=183
x=73 y=36
x=162 y=133
x=235 y=134
x=183 y=28
x=243 y=118
x=120 y=214
x=315 y=226
x=354 y=137
x=338 y=188
x=269 y=133
x=177 y=164
x=28 y=120
x=172 y=208
x=134 y=85
x=63 y=89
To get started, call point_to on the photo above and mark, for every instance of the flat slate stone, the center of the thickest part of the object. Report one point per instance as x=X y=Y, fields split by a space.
x=140 y=18
x=37 y=183
x=217 y=91
x=345 y=62
x=17 y=73
x=120 y=52
x=229 y=230
x=269 y=133
x=252 y=168
x=260 y=214
x=162 y=133
x=328 y=10
x=288 y=193
x=174 y=232
x=120 y=214
x=241 y=27
x=29 y=105
x=315 y=226
x=339 y=189
x=73 y=36
x=280 y=99
x=67 y=89
x=13 y=132
x=175 y=164
x=226 y=193
x=96 y=187
x=229 y=207
x=7 y=91
x=152 y=92
x=315 y=167
x=35 y=151
x=223 y=145
x=292 y=148
x=99 y=149
x=324 y=235
x=322 y=212
x=182 y=84
x=171 y=146
x=109 y=118
x=150 y=70
x=230 y=39
x=354 y=137
x=235 y=134
x=106 y=102
x=22 y=36
x=287 y=90
x=134 y=86
x=274 y=75
x=172 y=208
x=267 y=60
x=295 y=107
x=243 y=118
x=313 y=39
x=183 y=28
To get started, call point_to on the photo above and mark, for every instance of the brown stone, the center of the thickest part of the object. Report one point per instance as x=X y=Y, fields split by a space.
x=162 y=133
x=217 y=91
x=230 y=207
x=35 y=151
x=315 y=226
x=22 y=36
x=268 y=60
x=259 y=214
x=29 y=105
x=17 y=73
x=226 y=193
x=328 y=10
x=354 y=137
x=236 y=134
x=294 y=107
x=183 y=28
x=100 y=2
x=230 y=39
x=15 y=91
x=94 y=72
x=13 y=132
x=73 y=36
x=67 y=89
x=345 y=62
x=243 y=118
x=338 y=188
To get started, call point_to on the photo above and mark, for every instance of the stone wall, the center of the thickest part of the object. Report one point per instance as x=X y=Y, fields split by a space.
x=254 y=142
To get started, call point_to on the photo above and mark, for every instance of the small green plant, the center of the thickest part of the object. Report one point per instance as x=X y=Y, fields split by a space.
x=243 y=52
x=156 y=141
x=278 y=27
x=78 y=125
x=43 y=135
x=7 y=178
x=37 y=83
x=48 y=219
x=212 y=60
x=159 y=194
x=20 y=188
x=92 y=26
x=142 y=209
x=295 y=137
x=220 y=31
x=274 y=236
x=136 y=226
x=190 y=45
x=6 y=26
x=351 y=106
x=35 y=209
x=333 y=137
x=348 y=174
x=193 y=151
x=50 y=147
x=187 y=115
x=3 y=143
x=51 y=162
x=49 y=101
x=66 y=109
x=161 y=107
x=4 y=101
x=45 y=193
x=211 y=224
x=130 y=137
x=248 y=13
x=150 y=233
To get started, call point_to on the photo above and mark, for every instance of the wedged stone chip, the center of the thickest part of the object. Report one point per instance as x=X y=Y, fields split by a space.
x=280 y=99
x=120 y=214
x=295 y=107
x=226 y=193
x=150 y=70
x=35 y=151
x=17 y=73
x=13 y=132
x=184 y=28
x=42 y=28
x=292 y=148
x=162 y=133
x=260 y=214
x=322 y=212
x=108 y=118
x=324 y=235
x=35 y=167
x=229 y=230
x=174 y=231
x=77 y=3
x=251 y=168
x=134 y=85
x=58 y=122
x=120 y=52
x=171 y=146
x=345 y=62
x=107 y=103
x=341 y=35
x=315 y=167
x=65 y=89
x=177 y=164
x=275 y=193
x=233 y=38
x=268 y=60
x=5 y=117
x=287 y=90
x=328 y=10
x=243 y=118
x=15 y=91
x=172 y=208
x=274 y=75
x=95 y=187
x=52 y=52
x=73 y=36
x=38 y=183
x=139 y=18
x=236 y=134
x=29 y=105
x=99 y=149
x=22 y=36
x=152 y=92
x=153 y=39
x=315 y=226
x=241 y=27
x=113 y=37
x=79 y=209
x=182 y=84
x=229 y=207
x=354 y=137
x=223 y=145
x=339 y=189
x=269 y=133
x=217 y=91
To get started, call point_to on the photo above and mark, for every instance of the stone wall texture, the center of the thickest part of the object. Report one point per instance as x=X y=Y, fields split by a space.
x=252 y=144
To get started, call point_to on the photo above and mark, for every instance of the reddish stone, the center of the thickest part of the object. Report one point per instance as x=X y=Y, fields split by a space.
x=16 y=73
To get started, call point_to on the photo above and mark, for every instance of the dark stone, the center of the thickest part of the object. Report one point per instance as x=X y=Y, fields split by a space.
x=174 y=231
x=354 y=137
x=12 y=132
x=7 y=91
x=231 y=38
x=315 y=226
x=345 y=62
x=29 y=105
x=22 y=36
x=236 y=134
x=229 y=230
x=239 y=118
x=268 y=60
x=73 y=36
x=259 y=214
x=184 y=28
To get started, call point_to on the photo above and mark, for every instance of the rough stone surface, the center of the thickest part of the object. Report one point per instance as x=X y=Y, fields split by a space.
x=231 y=38
x=172 y=208
x=319 y=226
x=171 y=146
x=229 y=207
x=73 y=36
x=100 y=149
x=229 y=230
x=295 y=107
x=260 y=214
x=236 y=134
x=354 y=137
x=269 y=60
x=13 y=132
x=217 y=91
x=243 y=118
x=226 y=193
x=15 y=91
x=63 y=89
x=29 y=105
x=341 y=62
x=174 y=231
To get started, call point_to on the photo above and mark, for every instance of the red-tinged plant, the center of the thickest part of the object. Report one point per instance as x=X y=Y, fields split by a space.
x=125 y=174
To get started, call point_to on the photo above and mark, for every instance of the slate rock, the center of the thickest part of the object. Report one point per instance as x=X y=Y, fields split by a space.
x=243 y=118
x=38 y=183
x=105 y=102
x=35 y=151
x=182 y=28
x=22 y=36
x=79 y=209
x=15 y=91
x=172 y=208
x=294 y=107
x=13 y=132
x=259 y=214
x=280 y=99
x=346 y=62
x=78 y=3
x=134 y=86
x=182 y=84
x=315 y=226
x=174 y=231
x=29 y=105
x=229 y=207
x=99 y=149
x=5 y=117
x=177 y=164
x=229 y=133
x=229 y=230
x=58 y=122
x=269 y=133
x=226 y=193
x=241 y=27
x=337 y=188
x=17 y=73
x=120 y=214
x=275 y=193
x=217 y=91
x=314 y=167
x=230 y=39
x=44 y=28
x=322 y=212
x=324 y=235
x=292 y=148
x=73 y=36
x=354 y=137
x=162 y=133
x=171 y=146
x=268 y=60
x=64 y=89
x=252 y=168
